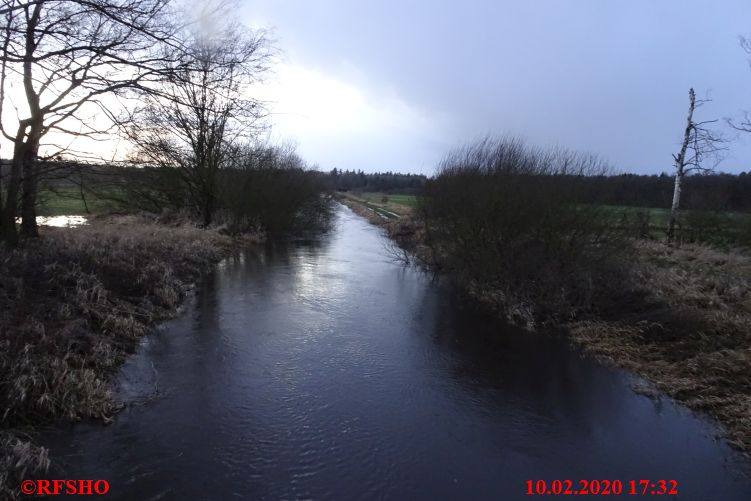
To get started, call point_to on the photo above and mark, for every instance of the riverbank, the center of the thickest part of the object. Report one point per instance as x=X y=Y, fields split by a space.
x=74 y=304
x=680 y=320
x=687 y=331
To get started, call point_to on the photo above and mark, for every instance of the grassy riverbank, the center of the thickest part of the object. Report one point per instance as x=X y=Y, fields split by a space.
x=680 y=318
x=73 y=304
x=684 y=326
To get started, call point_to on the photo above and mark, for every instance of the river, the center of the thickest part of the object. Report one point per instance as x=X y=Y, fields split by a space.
x=326 y=370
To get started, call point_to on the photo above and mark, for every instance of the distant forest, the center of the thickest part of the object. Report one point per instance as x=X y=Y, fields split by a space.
x=389 y=182
x=724 y=192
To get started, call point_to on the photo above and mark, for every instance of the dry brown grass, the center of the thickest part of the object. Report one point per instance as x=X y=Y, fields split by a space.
x=72 y=305
x=18 y=455
x=689 y=331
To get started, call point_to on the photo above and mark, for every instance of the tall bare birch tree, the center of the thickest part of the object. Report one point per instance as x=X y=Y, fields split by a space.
x=699 y=145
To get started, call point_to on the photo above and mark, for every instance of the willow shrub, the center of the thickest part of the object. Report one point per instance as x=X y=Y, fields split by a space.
x=281 y=199
x=508 y=220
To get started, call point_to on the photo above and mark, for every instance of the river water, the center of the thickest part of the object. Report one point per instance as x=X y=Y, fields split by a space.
x=326 y=370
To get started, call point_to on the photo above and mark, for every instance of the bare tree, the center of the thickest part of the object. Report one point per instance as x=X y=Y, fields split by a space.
x=60 y=58
x=205 y=109
x=700 y=144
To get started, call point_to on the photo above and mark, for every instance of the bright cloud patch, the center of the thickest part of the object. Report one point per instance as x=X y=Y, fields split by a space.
x=337 y=124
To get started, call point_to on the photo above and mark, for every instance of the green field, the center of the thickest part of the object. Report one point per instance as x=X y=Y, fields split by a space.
x=659 y=216
x=713 y=227
x=388 y=199
x=654 y=219
x=67 y=201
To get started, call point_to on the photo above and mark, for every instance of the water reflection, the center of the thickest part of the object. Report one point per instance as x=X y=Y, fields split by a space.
x=61 y=221
x=324 y=370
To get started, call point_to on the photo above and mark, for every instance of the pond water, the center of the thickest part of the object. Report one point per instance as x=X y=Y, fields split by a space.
x=325 y=370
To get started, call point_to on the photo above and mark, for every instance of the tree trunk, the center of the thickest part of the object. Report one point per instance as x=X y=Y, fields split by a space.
x=29 y=227
x=675 y=205
x=28 y=201
x=2 y=208
x=680 y=165
x=8 y=231
x=208 y=209
x=28 y=154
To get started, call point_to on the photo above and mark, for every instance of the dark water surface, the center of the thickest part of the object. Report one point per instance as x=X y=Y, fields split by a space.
x=327 y=371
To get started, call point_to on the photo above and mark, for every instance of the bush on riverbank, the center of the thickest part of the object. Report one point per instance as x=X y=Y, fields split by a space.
x=497 y=219
x=260 y=187
x=72 y=305
x=273 y=189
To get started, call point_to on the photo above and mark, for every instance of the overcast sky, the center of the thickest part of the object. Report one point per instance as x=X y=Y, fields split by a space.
x=393 y=85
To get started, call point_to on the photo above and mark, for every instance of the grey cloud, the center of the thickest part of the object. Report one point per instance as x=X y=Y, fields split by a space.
x=608 y=77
